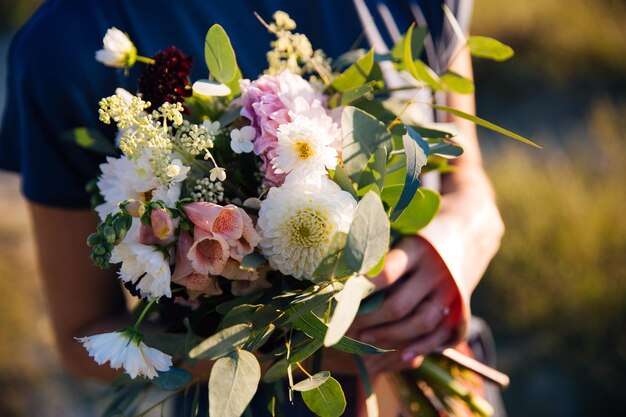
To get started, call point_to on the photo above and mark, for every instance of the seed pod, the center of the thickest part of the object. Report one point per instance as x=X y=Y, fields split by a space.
x=99 y=250
x=119 y=225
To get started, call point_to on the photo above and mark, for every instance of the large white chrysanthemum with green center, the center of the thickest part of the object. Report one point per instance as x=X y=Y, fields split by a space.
x=297 y=222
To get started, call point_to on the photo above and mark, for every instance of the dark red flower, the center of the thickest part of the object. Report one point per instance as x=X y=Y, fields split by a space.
x=167 y=80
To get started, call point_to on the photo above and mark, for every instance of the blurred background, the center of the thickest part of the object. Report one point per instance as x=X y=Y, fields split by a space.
x=555 y=295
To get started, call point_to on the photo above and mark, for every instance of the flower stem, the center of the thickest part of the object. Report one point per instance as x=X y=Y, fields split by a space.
x=143 y=314
x=145 y=60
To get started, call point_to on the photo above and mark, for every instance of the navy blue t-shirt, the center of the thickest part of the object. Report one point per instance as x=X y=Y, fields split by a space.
x=54 y=83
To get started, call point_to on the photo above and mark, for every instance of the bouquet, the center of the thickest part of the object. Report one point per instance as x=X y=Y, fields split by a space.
x=259 y=210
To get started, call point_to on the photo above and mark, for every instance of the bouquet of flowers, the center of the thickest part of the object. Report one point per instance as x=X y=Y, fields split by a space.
x=259 y=209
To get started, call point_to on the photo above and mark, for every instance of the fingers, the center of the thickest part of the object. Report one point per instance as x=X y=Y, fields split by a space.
x=399 y=261
x=426 y=318
x=390 y=362
x=400 y=303
x=426 y=344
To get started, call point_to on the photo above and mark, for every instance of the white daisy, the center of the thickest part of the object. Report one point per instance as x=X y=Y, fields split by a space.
x=304 y=148
x=297 y=222
x=123 y=178
x=125 y=349
x=143 y=265
x=118 y=51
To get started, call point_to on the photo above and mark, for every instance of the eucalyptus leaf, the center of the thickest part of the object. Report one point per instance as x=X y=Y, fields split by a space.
x=446 y=149
x=279 y=369
x=431 y=133
x=418 y=34
x=343 y=181
x=321 y=297
x=241 y=314
x=375 y=170
x=261 y=338
x=353 y=94
x=172 y=379
x=170 y=343
x=219 y=54
x=233 y=382
x=371 y=303
x=363 y=135
x=371 y=402
x=327 y=400
x=416 y=67
x=419 y=212
x=486 y=124
x=485 y=47
x=356 y=74
x=348 y=58
x=416 y=150
x=311 y=325
x=368 y=238
x=222 y=342
x=354 y=290
x=451 y=81
x=90 y=139
x=312 y=382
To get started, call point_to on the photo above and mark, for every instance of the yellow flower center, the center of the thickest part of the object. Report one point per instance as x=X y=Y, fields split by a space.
x=303 y=150
x=309 y=227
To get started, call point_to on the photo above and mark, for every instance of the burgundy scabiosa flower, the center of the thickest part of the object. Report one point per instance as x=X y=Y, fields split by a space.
x=167 y=80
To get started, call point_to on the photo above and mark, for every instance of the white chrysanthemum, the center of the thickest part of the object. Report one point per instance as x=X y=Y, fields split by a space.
x=297 y=222
x=118 y=51
x=125 y=349
x=143 y=265
x=124 y=178
x=304 y=148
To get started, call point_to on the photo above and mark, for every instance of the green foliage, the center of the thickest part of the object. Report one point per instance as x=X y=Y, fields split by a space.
x=420 y=211
x=453 y=82
x=368 y=238
x=485 y=47
x=233 y=382
x=416 y=155
x=173 y=379
x=312 y=382
x=415 y=66
x=219 y=55
x=356 y=74
x=486 y=124
x=363 y=135
x=222 y=342
x=354 y=290
x=327 y=400
x=311 y=325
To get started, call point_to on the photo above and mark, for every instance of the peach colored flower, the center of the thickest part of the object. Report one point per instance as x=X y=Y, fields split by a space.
x=249 y=239
x=239 y=288
x=162 y=225
x=226 y=222
x=209 y=253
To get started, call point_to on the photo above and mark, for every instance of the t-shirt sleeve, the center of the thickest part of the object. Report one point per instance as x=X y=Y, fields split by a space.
x=53 y=86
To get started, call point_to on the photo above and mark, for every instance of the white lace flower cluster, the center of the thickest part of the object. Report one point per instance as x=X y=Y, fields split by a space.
x=292 y=51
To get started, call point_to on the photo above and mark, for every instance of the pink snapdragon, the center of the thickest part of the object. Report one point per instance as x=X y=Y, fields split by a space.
x=273 y=100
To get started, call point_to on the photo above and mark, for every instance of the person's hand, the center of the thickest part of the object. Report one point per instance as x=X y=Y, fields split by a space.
x=415 y=317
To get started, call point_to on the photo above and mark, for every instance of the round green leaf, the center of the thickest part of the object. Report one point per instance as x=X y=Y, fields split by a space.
x=419 y=213
x=219 y=54
x=312 y=382
x=485 y=47
x=173 y=379
x=233 y=382
x=327 y=400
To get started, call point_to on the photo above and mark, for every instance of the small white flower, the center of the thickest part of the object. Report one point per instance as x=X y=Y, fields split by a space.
x=118 y=51
x=217 y=173
x=305 y=147
x=210 y=88
x=212 y=128
x=297 y=222
x=143 y=265
x=177 y=171
x=125 y=349
x=241 y=139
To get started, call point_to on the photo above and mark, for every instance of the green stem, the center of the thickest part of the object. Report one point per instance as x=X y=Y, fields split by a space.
x=143 y=314
x=145 y=60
